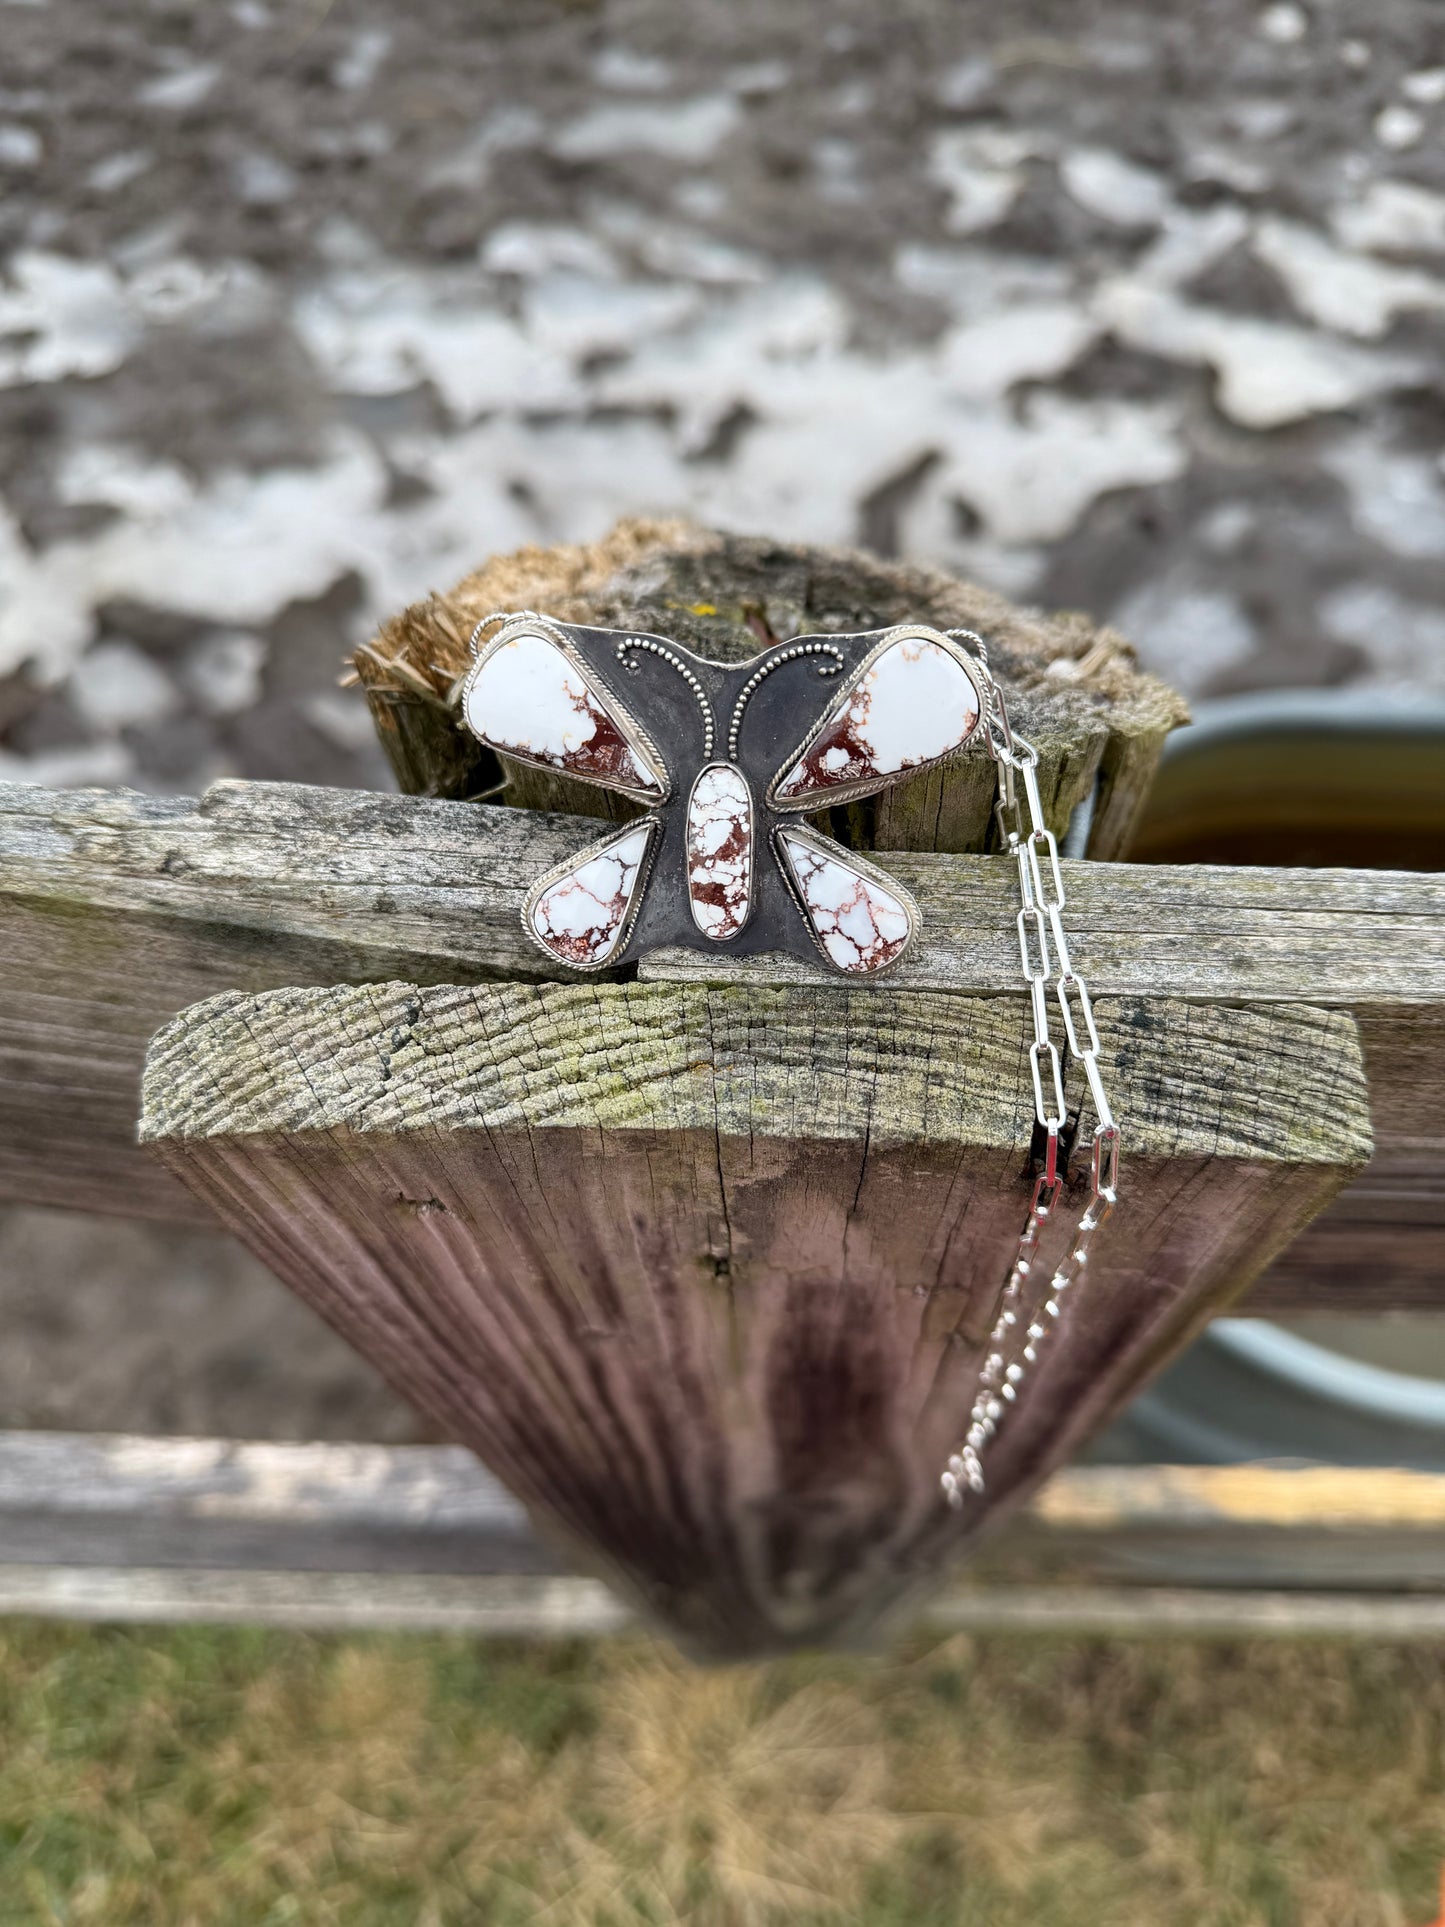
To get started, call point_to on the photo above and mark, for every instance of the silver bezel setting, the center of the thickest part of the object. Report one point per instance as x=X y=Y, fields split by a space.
x=574 y=862
x=834 y=852
x=870 y=786
x=638 y=740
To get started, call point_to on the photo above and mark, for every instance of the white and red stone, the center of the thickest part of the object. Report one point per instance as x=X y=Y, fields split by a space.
x=720 y=851
x=528 y=698
x=914 y=704
x=582 y=916
x=861 y=925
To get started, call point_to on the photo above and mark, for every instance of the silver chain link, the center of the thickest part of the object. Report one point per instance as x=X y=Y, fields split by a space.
x=1017 y=1334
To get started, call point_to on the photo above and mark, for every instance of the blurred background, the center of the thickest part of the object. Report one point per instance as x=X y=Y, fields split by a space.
x=307 y=309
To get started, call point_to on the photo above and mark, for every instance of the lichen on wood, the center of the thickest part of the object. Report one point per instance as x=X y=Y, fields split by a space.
x=1074 y=689
x=703 y=1272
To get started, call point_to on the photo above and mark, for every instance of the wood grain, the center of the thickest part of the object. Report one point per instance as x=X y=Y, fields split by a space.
x=701 y=1271
x=117 y=910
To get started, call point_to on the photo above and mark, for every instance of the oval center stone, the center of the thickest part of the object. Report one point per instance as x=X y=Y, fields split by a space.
x=720 y=851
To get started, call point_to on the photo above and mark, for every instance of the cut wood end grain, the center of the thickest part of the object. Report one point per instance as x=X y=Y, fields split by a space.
x=728 y=596
x=804 y=1064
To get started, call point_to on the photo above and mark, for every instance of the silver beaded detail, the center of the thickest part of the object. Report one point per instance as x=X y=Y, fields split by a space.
x=704 y=703
x=791 y=654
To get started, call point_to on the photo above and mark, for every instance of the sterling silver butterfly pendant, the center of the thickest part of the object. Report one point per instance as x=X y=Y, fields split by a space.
x=728 y=761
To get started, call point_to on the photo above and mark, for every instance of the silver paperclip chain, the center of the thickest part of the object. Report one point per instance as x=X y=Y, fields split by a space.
x=1017 y=1334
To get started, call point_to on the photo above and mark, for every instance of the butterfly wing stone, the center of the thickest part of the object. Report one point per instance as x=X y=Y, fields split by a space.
x=529 y=698
x=582 y=913
x=861 y=924
x=914 y=704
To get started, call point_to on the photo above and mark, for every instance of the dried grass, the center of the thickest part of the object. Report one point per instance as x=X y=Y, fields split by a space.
x=199 y=1779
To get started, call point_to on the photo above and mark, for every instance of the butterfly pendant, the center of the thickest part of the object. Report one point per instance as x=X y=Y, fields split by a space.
x=727 y=760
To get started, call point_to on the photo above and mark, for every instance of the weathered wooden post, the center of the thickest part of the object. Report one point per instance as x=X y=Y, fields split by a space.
x=1099 y=723
x=702 y=1263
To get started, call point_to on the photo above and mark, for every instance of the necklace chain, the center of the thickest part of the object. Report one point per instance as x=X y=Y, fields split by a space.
x=1018 y=1333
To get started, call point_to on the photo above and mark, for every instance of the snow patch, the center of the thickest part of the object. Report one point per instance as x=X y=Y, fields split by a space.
x=103 y=474
x=1399 y=127
x=685 y=253
x=1031 y=473
x=538 y=247
x=1393 y=217
x=381 y=333
x=468 y=166
x=1284 y=23
x=576 y=315
x=1186 y=633
x=116 y=687
x=628 y=72
x=1427 y=87
x=222 y=672
x=116 y=171
x=62 y=317
x=180 y=89
x=981 y=171
x=20 y=147
x=1404 y=641
x=682 y=130
x=1397 y=500
x=1268 y=373
x=1116 y=189
x=983 y=359
x=1346 y=292
x=975 y=282
x=354 y=72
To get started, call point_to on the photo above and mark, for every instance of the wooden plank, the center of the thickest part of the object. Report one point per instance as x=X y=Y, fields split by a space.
x=117 y=910
x=77 y=1500
x=115 y=1499
x=531 y=1608
x=703 y=1272
x=536 y=1608
x=1089 y=1612
x=150 y=1530
x=1349 y=1528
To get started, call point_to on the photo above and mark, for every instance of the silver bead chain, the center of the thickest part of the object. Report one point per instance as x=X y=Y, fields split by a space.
x=1018 y=1333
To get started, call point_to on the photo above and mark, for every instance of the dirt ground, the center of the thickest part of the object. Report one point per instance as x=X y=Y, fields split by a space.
x=306 y=309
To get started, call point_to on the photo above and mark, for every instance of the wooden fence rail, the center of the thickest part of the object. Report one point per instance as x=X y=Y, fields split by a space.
x=421 y=1537
x=117 y=910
